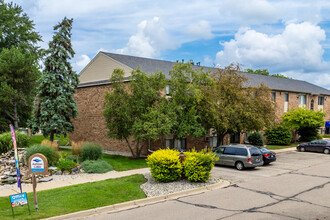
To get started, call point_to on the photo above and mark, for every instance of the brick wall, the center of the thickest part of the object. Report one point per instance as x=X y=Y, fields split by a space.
x=90 y=124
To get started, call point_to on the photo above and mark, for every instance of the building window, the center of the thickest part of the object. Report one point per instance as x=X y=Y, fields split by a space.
x=167 y=89
x=321 y=100
x=213 y=141
x=286 y=102
x=312 y=104
x=182 y=144
x=169 y=143
x=302 y=100
x=273 y=96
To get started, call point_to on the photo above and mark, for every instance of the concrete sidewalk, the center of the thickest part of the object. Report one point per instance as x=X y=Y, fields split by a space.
x=69 y=182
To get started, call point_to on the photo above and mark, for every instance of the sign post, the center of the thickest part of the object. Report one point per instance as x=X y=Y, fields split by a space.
x=16 y=157
x=38 y=164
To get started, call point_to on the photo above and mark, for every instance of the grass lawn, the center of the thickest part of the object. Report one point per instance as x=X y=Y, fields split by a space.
x=37 y=139
x=121 y=163
x=76 y=198
x=276 y=147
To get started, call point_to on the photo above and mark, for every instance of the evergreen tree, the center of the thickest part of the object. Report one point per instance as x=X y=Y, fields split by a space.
x=55 y=106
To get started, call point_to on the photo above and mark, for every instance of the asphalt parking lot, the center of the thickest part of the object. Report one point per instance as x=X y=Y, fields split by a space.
x=286 y=162
x=296 y=186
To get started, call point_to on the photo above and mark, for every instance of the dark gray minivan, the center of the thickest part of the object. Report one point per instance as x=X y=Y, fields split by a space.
x=240 y=156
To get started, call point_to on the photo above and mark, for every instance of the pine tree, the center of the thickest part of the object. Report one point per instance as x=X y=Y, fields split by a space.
x=55 y=106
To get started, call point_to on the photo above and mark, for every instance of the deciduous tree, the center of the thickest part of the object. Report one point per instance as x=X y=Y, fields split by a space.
x=19 y=54
x=231 y=105
x=130 y=110
x=18 y=77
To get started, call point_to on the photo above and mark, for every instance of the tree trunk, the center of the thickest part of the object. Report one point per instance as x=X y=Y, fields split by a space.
x=15 y=118
x=220 y=139
x=51 y=138
x=129 y=146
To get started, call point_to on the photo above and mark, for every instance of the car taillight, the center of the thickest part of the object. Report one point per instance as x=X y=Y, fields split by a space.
x=249 y=160
x=274 y=154
x=266 y=155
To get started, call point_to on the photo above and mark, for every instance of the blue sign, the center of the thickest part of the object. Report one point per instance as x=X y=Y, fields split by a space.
x=18 y=199
x=37 y=165
x=327 y=124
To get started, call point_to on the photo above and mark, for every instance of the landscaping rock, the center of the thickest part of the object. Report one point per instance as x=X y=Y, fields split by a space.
x=58 y=173
x=46 y=179
x=11 y=180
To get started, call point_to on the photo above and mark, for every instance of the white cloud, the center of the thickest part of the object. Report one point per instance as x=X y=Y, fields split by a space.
x=200 y=30
x=249 y=12
x=150 y=39
x=298 y=47
x=81 y=62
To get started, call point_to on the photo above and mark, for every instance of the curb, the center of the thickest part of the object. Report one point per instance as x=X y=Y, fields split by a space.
x=141 y=202
x=285 y=150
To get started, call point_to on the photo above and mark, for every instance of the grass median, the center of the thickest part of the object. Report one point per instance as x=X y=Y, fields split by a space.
x=277 y=147
x=75 y=198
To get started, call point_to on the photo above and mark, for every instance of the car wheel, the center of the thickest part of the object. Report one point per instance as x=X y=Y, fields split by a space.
x=326 y=151
x=266 y=163
x=239 y=165
x=302 y=149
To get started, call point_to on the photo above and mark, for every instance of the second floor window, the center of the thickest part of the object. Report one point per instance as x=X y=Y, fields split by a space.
x=273 y=94
x=167 y=89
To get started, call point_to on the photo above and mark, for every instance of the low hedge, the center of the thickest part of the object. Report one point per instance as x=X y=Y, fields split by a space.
x=65 y=164
x=256 y=139
x=165 y=165
x=6 y=141
x=198 y=165
x=96 y=166
x=278 y=135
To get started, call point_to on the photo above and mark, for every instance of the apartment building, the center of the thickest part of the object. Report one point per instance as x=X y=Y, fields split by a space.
x=94 y=82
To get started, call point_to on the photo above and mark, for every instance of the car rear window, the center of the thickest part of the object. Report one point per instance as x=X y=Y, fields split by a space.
x=264 y=150
x=255 y=151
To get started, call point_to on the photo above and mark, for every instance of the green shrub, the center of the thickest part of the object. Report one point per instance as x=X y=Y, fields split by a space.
x=308 y=133
x=198 y=165
x=73 y=158
x=6 y=141
x=278 y=135
x=96 y=166
x=64 y=164
x=165 y=165
x=256 y=139
x=91 y=151
x=51 y=155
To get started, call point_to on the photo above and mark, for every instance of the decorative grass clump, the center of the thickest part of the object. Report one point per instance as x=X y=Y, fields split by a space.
x=91 y=151
x=96 y=166
x=76 y=148
x=51 y=155
x=6 y=141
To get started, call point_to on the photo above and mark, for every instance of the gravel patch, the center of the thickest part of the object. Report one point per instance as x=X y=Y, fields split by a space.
x=152 y=188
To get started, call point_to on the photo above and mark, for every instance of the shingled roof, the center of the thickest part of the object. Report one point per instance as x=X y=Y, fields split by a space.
x=148 y=65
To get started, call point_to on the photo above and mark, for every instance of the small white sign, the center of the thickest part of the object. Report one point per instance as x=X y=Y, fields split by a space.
x=37 y=165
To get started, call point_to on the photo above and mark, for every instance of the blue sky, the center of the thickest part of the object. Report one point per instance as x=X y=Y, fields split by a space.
x=290 y=37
